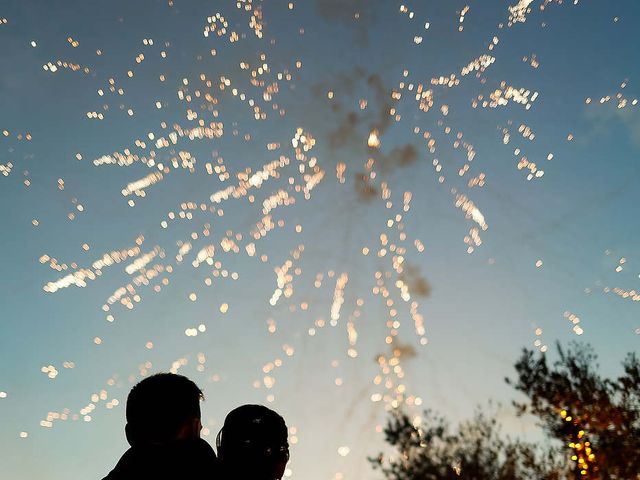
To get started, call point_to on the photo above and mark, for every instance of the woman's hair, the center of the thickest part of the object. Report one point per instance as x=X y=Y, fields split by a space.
x=254 y=439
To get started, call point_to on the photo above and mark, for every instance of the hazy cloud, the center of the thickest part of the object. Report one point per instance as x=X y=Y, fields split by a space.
x=605 y=118
x=417 y=284
x=352 y=125
x=356 y=14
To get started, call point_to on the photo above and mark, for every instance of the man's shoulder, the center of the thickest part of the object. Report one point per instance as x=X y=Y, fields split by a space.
x=127 y=464
x=184 y=459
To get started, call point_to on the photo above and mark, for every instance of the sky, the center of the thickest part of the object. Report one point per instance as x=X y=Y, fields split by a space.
x=331 y=207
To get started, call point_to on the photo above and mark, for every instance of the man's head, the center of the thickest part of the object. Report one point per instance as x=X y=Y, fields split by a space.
x=254 y=442
x=163 y=408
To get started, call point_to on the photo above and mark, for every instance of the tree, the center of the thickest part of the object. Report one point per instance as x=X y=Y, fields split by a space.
x=596 y=418
x=592 y=426
x=475 y=451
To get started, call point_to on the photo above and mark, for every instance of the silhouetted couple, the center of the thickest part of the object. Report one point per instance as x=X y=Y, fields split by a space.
x=163 y=429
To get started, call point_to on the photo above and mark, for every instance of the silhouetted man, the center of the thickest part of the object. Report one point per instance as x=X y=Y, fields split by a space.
x=253 y=444
x=163 y=429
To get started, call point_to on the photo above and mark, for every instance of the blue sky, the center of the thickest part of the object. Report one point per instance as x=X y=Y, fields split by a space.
x=579 y=219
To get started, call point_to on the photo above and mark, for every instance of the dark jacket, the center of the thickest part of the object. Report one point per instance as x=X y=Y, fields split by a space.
x=184 y=459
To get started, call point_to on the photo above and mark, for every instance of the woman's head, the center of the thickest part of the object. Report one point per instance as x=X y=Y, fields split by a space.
x=254 y=442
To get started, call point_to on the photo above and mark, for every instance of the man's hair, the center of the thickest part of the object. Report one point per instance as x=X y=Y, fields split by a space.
x=158 y=406
x=254 y=438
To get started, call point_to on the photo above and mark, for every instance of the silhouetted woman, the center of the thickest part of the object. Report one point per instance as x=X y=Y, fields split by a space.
x=253 y=444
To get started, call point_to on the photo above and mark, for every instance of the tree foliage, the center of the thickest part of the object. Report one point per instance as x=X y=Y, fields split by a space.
x=592 y=427
x=475 y=451
x=596 y=418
